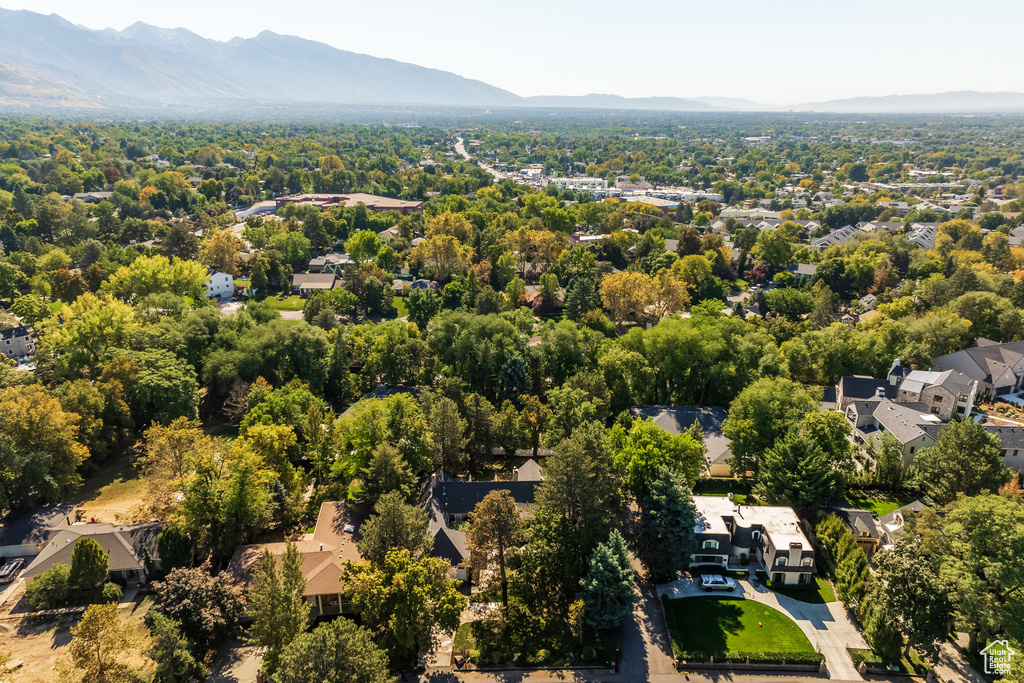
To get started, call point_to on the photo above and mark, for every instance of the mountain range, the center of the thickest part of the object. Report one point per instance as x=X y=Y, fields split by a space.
x=47 y=62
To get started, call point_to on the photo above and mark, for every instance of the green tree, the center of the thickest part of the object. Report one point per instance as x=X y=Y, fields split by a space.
x=363 y=246
x=775 y=247
x=207 y=607
x=50 y=589
x=104 y=648
x=404 y=601
x=423 y=304
x=795 y=471
x=888 y=455
x=171 y=651
x=639 y=454
x=336 y=651
x=495 y=526
x=388 y=471
x=607 y=589
x=965 y=459
x=666 y=539
x=394 y=525
x=760 y=414
x=579 y=486
x=506 y=429
x=449 y=431
x=908 y=590
x=276 y=604
x=89 y=563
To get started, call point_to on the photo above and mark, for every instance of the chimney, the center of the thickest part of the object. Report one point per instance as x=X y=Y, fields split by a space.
x=880 y=392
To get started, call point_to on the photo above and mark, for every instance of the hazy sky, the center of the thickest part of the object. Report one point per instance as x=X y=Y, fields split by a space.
x=777 y=52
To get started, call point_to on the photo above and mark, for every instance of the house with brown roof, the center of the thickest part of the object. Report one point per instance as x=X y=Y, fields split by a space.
x=324 y=555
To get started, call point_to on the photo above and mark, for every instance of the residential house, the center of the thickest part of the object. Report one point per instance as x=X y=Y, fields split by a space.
x=834 y=238
x=329 y=263
x=313 y=282
x=867 y=302
x=892 y=524
x=324 y=554
x=131 y=549
x=912 y=424
x=27 y=534
x=766 y=535
x=923 y=234
x=1016 y=236
x=218 y=284
x=677 y=419
x=998 y=368
x=864 y=526
x=93 y=197
x=947 y=394
x=16 y=342
x=448 y=500
x=802 y=272
x=389 y=234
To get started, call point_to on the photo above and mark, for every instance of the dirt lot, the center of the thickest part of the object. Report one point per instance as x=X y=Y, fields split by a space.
x=37 y=642
x=113 y=493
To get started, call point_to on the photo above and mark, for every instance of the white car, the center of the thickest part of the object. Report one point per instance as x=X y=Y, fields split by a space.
x=715 y=582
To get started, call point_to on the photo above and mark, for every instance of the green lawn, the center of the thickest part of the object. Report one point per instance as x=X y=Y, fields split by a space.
x=713 y=625
x=818 y=594
x=464 y=638
x=881 y=504
x=399 y=304
x=292 y=303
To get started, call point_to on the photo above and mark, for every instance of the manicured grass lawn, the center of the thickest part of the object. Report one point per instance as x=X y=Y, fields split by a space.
x=714 y=625
x=880 y=505
x=464 y=638
x=821 y=592
x=399 y=304
x=292 y=303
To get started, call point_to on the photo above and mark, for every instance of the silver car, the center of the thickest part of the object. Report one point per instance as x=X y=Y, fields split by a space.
x=715 y=582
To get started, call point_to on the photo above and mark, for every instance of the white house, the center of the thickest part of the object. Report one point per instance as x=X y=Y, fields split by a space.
x=220 y=285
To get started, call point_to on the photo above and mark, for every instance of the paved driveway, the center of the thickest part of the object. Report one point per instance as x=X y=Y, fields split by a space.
x=827 y=626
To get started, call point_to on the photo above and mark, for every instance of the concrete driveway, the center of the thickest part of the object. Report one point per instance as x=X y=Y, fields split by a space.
x=827 y=626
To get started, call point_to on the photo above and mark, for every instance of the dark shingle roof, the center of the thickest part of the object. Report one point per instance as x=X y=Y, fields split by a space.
x=860 y=387
x=33 y=527
x=12 y=332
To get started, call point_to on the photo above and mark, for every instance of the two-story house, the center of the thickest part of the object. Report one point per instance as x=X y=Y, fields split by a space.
x=218 y=285
x=16 y=342
x=770 y=536
x=998 y=368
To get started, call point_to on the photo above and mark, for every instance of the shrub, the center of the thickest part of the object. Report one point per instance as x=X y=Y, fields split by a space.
x=112 y=592
x=589 y=653
x=49 y=589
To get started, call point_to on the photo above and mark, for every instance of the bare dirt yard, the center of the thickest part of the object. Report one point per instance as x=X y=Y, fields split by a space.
x=36 y=642
x=114 y=493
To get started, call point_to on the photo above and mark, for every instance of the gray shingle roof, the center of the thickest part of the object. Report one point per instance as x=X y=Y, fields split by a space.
x=123 y=544
x=677 y=419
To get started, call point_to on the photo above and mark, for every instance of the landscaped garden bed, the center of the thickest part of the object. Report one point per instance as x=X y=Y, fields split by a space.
x=817 y=594
x=706 y=630
x=482 y=647
x=874 y=664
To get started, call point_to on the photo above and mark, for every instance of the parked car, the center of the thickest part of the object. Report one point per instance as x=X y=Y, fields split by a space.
x=10 y=570
x=716 y=582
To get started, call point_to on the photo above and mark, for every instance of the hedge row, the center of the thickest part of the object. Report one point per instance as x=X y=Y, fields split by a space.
x=754 y=657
